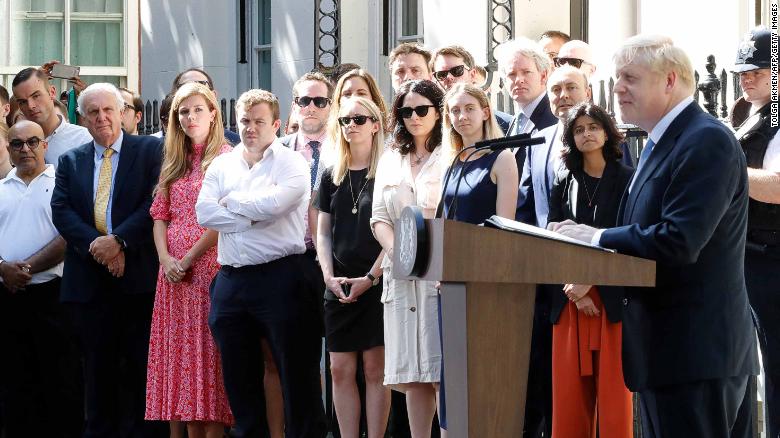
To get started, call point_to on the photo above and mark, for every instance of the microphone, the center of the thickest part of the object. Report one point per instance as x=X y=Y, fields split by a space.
x=520 y=140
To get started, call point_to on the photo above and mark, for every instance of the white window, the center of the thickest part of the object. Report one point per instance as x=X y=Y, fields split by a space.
x=409 y=21
x=261 y=45
x=100 y=36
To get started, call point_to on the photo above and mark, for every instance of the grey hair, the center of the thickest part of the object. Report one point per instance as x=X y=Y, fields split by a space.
x=97 y=88
x=523 y=46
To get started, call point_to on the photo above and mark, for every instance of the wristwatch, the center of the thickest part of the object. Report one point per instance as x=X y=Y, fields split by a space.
x=374 y=280
x=120 y=241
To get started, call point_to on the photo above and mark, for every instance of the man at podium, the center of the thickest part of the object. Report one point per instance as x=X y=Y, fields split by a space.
x=688 y=342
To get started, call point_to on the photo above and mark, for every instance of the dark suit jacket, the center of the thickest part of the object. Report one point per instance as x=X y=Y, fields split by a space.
x=542 y=118
x=504 y=120
x=72 y=205
x=687 y=210
x=563 y=202
x=536 y=180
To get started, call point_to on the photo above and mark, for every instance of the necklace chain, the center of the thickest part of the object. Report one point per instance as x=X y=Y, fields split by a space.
x=352 y=192
x=587 y=193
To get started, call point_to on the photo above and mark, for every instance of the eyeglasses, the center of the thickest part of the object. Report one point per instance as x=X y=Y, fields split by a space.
x=574 y=62
x=31 y=142
x=319 y=102
x=456 y=72
x=406 y=112
x=204 y=82
x=129 y=107
x=359 y=120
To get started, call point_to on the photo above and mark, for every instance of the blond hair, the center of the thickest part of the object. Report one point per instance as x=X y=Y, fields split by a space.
x=343 y=154
x=256 y=96
x=376 y=97
x=452 y=142
x=659 y=53
x=178 y=147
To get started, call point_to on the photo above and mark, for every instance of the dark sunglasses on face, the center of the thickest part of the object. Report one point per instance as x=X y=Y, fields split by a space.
x=359 y=120
x=31 y=142
x=406 y=112
x=574 y=62
x=456 y=72
x=319 y=102
x=206 y=83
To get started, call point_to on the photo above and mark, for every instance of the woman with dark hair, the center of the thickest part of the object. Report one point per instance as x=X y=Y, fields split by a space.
x=588 y=389
x=410 y=174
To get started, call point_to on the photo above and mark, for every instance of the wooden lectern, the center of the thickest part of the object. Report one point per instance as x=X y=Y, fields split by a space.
x=488 y=287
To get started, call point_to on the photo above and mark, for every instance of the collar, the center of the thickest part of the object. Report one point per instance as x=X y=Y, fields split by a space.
x=117 y=146
x=302 y=140
x=62 y=122
x=48 y=172
x=531 y=107
x=660 y=128
x=272 y=149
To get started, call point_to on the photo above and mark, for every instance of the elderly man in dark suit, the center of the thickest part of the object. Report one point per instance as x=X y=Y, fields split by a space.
x=688 y=342
x=100 y=205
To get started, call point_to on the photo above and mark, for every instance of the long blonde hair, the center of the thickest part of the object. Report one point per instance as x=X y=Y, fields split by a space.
x=452 y=141
x=178 y=147
x=343 y=155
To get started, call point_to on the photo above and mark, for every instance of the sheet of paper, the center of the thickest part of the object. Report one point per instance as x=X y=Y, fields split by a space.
x=519 y=227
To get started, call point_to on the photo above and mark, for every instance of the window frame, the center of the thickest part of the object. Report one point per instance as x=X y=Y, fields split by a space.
x=128 y=73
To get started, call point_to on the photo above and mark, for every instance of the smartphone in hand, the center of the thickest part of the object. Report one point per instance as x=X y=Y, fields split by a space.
x=345 y=287
x=64 y=71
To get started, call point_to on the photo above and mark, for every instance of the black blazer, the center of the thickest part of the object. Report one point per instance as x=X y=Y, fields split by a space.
x=72 y=205
x=563 y=205
x=687 y=210
x=542 y=117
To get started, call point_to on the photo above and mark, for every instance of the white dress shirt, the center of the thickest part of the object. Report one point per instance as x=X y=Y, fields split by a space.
x=66 y=137
x=525 y=125
x=25 y=220
x=265 y=205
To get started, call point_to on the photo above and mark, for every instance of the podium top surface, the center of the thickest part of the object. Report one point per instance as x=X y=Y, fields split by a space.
x=462 y=252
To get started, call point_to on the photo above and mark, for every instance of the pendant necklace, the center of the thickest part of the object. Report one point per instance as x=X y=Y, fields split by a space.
x=587 y=193
x=418 y=160
x=352 y=192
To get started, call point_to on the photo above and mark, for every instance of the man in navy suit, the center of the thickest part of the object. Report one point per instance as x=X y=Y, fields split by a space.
x=688 y=342
x=100 y=206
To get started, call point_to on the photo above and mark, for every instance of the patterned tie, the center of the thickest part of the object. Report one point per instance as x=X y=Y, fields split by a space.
x=103 y=191
x=522 y=120
x=315 y=160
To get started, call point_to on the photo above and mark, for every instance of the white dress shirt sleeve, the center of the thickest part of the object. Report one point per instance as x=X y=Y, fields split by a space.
x=212 y=215
x=268 y=203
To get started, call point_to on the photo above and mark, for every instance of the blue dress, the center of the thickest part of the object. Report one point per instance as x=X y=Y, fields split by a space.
x=475 y=203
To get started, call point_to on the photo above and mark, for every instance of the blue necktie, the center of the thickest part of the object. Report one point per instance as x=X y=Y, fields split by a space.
x=315 y=160
x=645 y=154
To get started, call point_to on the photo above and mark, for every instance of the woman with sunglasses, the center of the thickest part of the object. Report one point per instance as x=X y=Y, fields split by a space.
x=350 y=259
x=184 y=377
x=410 y=174
x=588 y=389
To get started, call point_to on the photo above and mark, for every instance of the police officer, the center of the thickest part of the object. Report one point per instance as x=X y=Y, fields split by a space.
x=751 y=116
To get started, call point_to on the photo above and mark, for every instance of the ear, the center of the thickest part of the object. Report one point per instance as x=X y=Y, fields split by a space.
x=671 y=80
x=588 y=91
x=137 y=117
x=52 y=91
x=277 y=124
x=544 y=74
x=485 y=113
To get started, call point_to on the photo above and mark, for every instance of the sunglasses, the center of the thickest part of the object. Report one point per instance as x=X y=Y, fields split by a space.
x=405 y=112
x=31 y=142
x=206 y=83
x=574 y=62
x=359 y=120
x=456 y=72
x=319 y=102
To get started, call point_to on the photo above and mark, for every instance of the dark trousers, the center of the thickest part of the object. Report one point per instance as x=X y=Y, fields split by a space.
x=253 y=302
x=40 y=368
x=113 y=331
x=538 y=401
x=762 y=277
x=718 y=408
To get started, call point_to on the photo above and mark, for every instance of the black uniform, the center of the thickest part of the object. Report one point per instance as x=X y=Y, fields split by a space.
x=762 y=264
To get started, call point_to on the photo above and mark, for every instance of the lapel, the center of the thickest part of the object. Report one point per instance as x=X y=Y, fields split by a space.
x=544 y=104
x=606 y=194
x=85 y=174
x=664 y=146
x=127 y=157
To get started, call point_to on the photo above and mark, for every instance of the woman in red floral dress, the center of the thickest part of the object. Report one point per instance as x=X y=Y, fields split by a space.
x=184 y=377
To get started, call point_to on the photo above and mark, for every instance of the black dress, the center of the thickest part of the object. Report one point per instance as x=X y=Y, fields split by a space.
x=356 y=326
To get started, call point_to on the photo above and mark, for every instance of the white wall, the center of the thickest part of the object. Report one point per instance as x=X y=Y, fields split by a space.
x=292 y=41
x=177 y=35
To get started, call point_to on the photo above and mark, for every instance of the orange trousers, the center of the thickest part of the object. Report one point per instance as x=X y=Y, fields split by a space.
x=587 y=376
